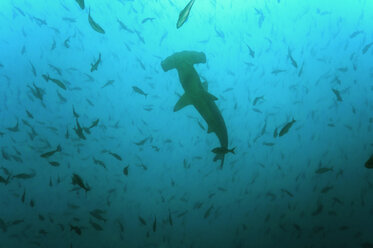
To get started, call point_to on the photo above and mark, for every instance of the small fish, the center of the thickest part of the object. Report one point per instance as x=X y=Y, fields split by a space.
x=342 y=69
x=23 y=196
x=67 y=134
x=53 y=45
x=99 y=162
x=76 y=229
x=268 y=143
x=369 y=163
x=366 y=48
x=182 y=214
x=222 y=150
x=29 y=114
x=125 y=170
x=25 y=175
x=6 y=171
x=201 y=126
x=155 y=224
x=89 y=102
x=20 y=11
x=277 y=71
x=147 y=19
x=261 y=17
x=96 y=226
x=79 y=131
x=184 y=14
x=95 y=65
x=326 y=189
x=94 y=24
x=141 y=142
x=76 y=115
x=301 y=70
x=94 y=123
x=26 y=123
x=142 y=221
x=257 y=110
x=56 y=81
x=318 y=210
x=17 y=222
x=208 y=211
x=66 y=43
x=3 y=180
x=77 y=180
x=13 y=129
x=257 y=99
x=115 y=156
x=81 y=3
x=139 y=91
x=62 y=99
x=287 y=192
x=109 y=82
x=293 y=62
x=286 y=128
x=275 y=133
x=69 y=19
x=323 y=170
x=39 y=21
x=227 y=89
x=337 y=94
x=50 y=153
x=141 y=64
x=123 y=26
x=337 y=200
x=33 y=69
x=54 y=163
x=140 y=36
x=356 y=33
x=252 y=53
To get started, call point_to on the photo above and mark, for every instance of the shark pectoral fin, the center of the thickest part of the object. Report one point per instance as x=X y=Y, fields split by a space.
x=205 y=86
x=211 y=96
x=183 y=101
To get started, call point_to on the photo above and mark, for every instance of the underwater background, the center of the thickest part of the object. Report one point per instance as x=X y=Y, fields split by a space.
x=93 y=154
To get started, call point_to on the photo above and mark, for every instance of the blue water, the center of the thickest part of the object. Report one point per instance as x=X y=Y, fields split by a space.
x=149 y=170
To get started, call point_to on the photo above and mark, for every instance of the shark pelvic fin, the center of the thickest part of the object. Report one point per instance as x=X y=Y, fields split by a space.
x=183 y=101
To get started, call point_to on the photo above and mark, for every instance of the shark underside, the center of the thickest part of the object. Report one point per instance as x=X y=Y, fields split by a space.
x=196 y=94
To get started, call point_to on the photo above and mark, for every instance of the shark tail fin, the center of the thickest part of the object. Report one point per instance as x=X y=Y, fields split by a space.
x=179 y=59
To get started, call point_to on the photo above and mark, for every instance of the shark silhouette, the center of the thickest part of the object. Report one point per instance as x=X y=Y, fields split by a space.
x=196 y=94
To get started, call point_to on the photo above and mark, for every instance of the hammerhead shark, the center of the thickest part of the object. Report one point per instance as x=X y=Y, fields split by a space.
x=196 y=94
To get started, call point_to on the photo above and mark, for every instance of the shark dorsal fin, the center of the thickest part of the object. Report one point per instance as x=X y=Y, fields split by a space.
x=205 y=86
x=183 y=101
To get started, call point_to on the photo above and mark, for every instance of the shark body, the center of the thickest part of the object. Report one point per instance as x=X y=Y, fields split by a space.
x=196 y=94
